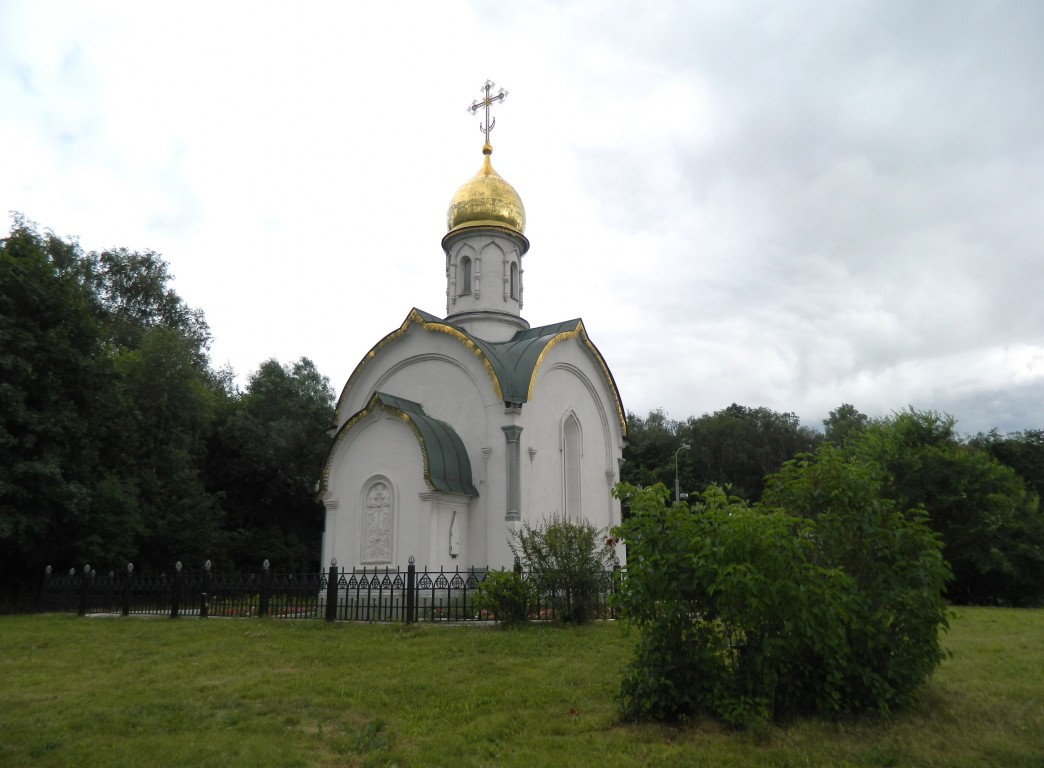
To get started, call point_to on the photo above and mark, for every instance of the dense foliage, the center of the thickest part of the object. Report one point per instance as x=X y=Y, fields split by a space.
x=266 y=455
x=987 y=515
x=982 y=495
x=118 y=442
x=734 y=448
x=565 y=561
x=504 y=597
x=828 y=602
x=1022 y=451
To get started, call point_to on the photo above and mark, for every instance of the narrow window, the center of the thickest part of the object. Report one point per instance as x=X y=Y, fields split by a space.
x=571 y=448
x=465 y=276
x=514 y=281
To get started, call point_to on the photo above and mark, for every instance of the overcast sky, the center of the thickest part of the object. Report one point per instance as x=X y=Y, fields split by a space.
x=781 y=204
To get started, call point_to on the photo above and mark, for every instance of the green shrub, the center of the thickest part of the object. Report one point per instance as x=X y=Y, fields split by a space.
x=566 y=562
x=829 y=603
x=504 y=596
x=895 y=606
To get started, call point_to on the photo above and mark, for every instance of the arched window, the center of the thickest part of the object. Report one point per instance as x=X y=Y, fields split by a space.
x=571 y=451
x=514 y=281
x=464 y=270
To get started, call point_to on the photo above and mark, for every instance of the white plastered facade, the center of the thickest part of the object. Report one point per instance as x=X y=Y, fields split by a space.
x=450 y=433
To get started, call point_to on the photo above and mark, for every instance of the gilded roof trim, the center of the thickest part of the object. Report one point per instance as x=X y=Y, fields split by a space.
x=486 y=226
x=429 y=323
x=511 y=365
x=580 y=332
x=468 y=342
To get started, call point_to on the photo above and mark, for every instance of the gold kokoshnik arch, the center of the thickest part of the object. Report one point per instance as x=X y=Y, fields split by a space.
x=511 y=365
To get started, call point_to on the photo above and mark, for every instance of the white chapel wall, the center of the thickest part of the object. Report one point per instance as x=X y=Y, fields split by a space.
x=569 y=385
x=460 y=393
x=452 y=385
x=380 y=449
x=417 y=346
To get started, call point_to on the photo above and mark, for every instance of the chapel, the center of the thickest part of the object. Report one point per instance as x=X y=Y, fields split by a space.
x=452 y=431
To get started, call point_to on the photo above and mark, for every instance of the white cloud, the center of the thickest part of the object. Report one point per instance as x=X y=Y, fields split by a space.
x=790 y=205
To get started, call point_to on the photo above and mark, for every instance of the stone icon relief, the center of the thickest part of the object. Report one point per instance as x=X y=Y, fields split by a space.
x=377 y=535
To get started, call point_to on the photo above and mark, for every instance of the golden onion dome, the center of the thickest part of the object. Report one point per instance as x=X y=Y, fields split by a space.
x=486 y=200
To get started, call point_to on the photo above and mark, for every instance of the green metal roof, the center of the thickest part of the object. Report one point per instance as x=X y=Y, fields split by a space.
x=446 y=463
x=514 y=361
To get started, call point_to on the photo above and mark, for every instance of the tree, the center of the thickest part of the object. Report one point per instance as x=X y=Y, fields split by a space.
x=736 y=447
x=57 y=390
x=104 y=401
x=265 y=461
x=48 y=340
x=134 y=296
x=649 y=454
x=991 y=525
x=843 y=423
x=733 y=448
x=1022 y=451
x=119 y=443
x=172 y=407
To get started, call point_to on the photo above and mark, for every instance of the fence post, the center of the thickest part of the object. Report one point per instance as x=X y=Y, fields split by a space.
x=175 y=592
x=69 y=593
x=127 y=589
x=204 y=600
x=411 y=598
x=266 y=588
x=86 y=574
x=331 y=591
x=46 y=591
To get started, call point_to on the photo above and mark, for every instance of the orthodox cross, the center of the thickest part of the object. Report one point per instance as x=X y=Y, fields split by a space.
x=485 y=103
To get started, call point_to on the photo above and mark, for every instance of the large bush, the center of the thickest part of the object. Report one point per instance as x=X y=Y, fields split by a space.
x=827 y=602
x=566 y=562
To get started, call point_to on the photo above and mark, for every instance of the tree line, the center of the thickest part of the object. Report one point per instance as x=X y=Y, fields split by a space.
x=120 y=442
x=981 y=494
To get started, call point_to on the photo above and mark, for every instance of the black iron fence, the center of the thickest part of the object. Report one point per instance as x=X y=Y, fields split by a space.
x=338 y=594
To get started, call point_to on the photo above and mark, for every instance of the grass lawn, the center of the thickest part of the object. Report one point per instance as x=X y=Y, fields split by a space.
x=246 y=692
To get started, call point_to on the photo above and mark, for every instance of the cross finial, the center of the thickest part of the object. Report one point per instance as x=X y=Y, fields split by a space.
x=485 y=103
